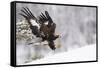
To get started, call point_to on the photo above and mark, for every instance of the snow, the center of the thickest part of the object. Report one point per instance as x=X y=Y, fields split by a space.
x=77 y=32
x=86 y=53
x=30 y=49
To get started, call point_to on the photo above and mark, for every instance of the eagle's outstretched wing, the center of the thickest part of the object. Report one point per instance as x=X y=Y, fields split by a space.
x=28 y=15
x=48 y=29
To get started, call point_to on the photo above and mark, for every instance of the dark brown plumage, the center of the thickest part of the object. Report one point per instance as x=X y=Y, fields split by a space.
x=27 y=14
x=47 y=26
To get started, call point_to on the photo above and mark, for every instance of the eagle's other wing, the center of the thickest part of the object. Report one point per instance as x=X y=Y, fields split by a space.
x=47 y=24
x=34 y=25
x=48 y=29
x=48 y=16
x=42 y=18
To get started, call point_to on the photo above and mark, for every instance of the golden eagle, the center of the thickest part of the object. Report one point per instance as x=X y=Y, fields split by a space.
x=43 y=26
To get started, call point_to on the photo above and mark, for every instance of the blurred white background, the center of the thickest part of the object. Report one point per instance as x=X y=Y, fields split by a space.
x=5 y=33
x=76 y=30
